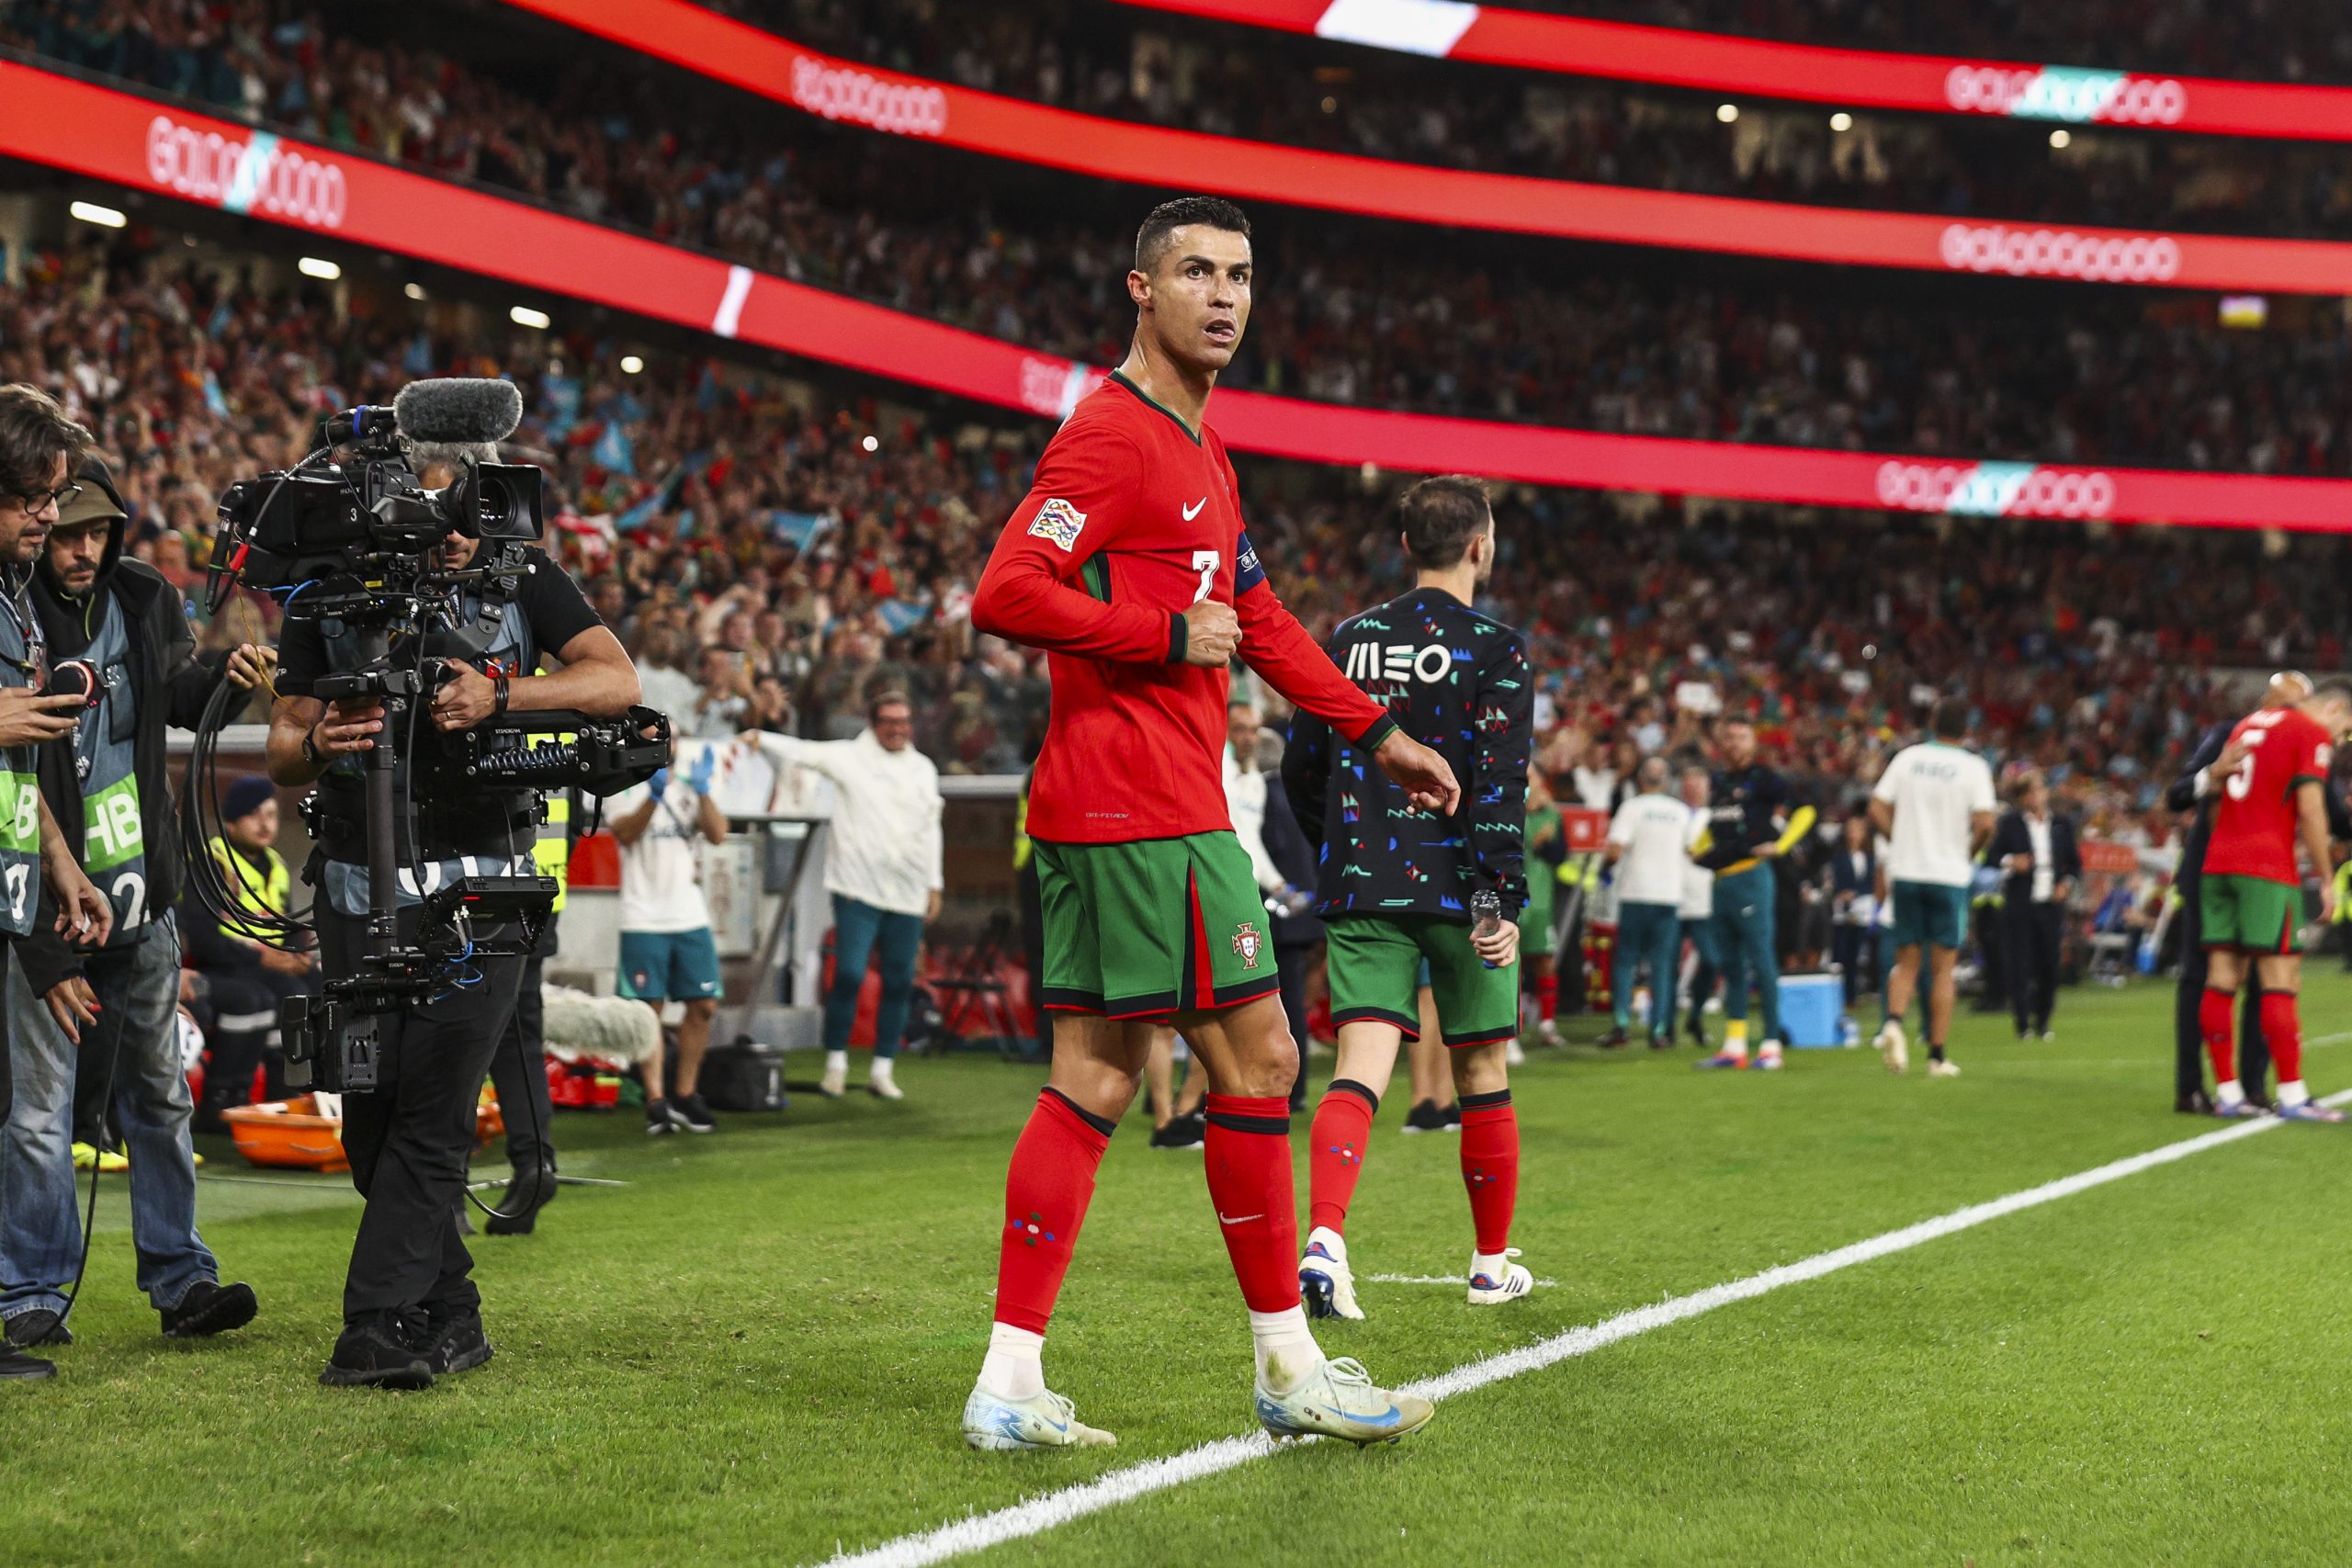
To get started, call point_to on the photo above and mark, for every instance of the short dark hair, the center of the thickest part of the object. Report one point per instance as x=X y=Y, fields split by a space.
x=2335 y=686
x=34 y=432
x=1439 y=516
x=1151 y=240
x=1948 y=717
x=891 y=699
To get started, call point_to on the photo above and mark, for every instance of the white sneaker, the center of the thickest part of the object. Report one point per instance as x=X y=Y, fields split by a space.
x=1044 y=1420
x=1337 y=1400
x=1892 y=1048
x=1944 y=1069
x=834 y=1084
x=883 y=1081
x=1488 y=1289
x=1325 y=1281
x=1548 y=1031
x=1514 y=1054
x=1768 y=1056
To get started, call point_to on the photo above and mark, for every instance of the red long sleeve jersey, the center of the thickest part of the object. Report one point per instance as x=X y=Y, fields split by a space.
x=1130 y=520
x=2256 y=823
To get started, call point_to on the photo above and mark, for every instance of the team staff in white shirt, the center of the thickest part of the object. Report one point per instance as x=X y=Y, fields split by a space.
x=1935 y=802
x=882 y=868
x=1649 y=843
x=1698 y=910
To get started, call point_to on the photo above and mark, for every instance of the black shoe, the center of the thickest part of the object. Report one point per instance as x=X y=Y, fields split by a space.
x=209 y=1308
x=15 y=1364
x=689 y=1111
x=39 y=1326
x=1696 y=1030
x=1661 y=1042
x=1425 y=1118
x=2196 y=1102
x=1613 y=1039
x=1453 y=1114
x=371 y=1354
x=518 y=1210
x=449 y=1341
x=1182 y=1132
x=660 y=1123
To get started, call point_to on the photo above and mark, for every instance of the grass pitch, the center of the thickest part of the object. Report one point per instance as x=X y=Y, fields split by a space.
x=756 y=1351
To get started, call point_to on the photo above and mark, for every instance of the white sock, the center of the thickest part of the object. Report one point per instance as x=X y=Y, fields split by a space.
x=837 y=1061
x=1286 y=1348
x=1493 y=1265
x=2227 y=1092
x=1335 y=1246
x=1769 y=1048
x=1014 y=1367
x=882 y=1070
x=2292 y=1092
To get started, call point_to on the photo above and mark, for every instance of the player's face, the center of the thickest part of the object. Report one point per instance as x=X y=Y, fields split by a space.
x=1196 y=299
x=1740 y=744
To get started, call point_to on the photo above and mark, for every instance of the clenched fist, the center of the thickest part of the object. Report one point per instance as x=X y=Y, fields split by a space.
x=1212 y=633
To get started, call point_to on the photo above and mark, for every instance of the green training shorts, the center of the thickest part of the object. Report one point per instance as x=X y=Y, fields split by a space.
x=1375 y=965
x=2250 y=913
x=1153 y=927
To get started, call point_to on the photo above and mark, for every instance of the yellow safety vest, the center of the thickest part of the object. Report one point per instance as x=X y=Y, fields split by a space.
x=551 y=847
x=277 y=889
x=1023 y=846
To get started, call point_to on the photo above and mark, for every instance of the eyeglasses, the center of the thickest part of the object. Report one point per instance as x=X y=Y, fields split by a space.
x=48 y=500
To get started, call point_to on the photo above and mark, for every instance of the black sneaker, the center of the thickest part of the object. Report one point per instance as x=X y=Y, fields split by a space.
x=39 y=1326
x=660 y=1123
x=1612 y=1040
x=1425 y=1118
x=1182 y=1132
x=1696 y=1029
x=2196 y=1102
x=17 y=1365
x=1453 y=1114
x=689 y=1111
x=1661 y=1042
x=371 y=1354
x=525 y=1195
x=450 y=1341
x=210 y=1307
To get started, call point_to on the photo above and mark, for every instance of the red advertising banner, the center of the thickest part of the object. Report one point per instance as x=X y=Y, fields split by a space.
x=760 y=62
x=1852 y=78
x=139 y=144
x=1584 y=828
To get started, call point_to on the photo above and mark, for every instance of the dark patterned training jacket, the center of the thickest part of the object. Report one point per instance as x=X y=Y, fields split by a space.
x=1458 y=682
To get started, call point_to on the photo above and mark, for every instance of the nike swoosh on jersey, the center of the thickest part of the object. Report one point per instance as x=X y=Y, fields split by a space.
x=1195 y=510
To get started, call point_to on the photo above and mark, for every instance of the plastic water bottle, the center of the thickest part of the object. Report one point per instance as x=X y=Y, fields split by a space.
x=1486 y=914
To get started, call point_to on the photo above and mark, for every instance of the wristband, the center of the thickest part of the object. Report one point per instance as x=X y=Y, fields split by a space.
x=311 y=753
x=502 y=683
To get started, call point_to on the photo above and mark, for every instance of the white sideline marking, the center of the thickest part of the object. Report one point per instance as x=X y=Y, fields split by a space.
x=1038 y=1515
x=1430 y=1280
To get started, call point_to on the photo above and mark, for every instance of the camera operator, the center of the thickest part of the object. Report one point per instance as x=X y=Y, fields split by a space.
x=107 y=1017
x=411 y=1310
x=40 y=449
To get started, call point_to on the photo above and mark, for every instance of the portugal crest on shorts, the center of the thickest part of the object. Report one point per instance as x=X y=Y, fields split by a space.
x=1249 y=944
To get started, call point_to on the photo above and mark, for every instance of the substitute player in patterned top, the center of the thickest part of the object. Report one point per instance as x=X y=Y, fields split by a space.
x=1129 y=563
x=2251 y=895
x=1396 y=883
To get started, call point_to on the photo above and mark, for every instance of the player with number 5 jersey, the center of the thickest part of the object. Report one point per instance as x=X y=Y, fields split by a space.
x=1129 y=564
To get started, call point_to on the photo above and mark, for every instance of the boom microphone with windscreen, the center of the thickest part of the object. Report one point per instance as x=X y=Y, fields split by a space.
x=459 y=409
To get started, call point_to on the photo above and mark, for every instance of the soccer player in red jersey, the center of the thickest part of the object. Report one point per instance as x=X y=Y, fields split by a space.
x=1129 y=563
x=2250 y=899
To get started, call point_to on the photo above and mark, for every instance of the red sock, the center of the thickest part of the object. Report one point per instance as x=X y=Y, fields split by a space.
x=2282 y=1032
x=1249 y=1182
x=1045 y=1194
x=1490 y=1165
x=1335 y=1151
x=1547 y=996
x=2214 y=1021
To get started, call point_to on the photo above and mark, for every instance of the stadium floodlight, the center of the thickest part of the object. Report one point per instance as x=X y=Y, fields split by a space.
x=414 y=290
x=314 y=266
x=1726 y=112
x=1841 y=121
x=631 y=365
x=104 y=216
x=523 y=316
x=2061 y=137
x=871 y=445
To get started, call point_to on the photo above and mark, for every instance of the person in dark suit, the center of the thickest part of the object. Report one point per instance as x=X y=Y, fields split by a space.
x=2194 y=791
x=2040 y=865
x=1853 y=904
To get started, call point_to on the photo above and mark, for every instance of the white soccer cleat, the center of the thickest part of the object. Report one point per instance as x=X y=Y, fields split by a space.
x=1326 y=1283
x=1337 y=1400
x=1044 y=1420
x=1489 y=1287
x=1944 y=1069
x=882 y=1081
x=834 y=1084
x=1892 y=1047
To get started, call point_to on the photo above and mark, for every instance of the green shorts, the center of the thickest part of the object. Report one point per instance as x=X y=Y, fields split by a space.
x=1376 y=962
x=1928 y=914
x=2250 y=913
x=1154 y=927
